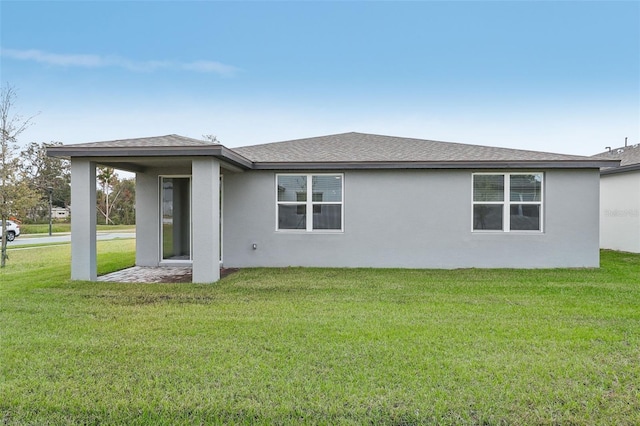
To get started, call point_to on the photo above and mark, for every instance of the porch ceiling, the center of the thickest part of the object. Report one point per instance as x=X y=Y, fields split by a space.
x=140 y=164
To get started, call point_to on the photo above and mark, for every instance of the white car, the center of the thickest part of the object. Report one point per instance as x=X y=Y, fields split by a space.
x=13 y=230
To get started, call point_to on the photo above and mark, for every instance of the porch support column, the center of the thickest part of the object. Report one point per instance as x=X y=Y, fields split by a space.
x=205 y=214
x=83 y=220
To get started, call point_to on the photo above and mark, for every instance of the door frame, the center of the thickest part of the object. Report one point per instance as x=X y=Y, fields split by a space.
x=161 y=230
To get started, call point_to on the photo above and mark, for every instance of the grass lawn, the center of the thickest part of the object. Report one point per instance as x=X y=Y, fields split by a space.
x=43 y=228
x=320 y=346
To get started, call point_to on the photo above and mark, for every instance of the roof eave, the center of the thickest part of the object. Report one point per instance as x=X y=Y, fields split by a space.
x=217 y=151
x=622 y=169
x=574 y=164
x=234 y=158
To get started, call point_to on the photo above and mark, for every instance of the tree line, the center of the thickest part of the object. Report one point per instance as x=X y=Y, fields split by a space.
x=31 y=182
x=44 y=176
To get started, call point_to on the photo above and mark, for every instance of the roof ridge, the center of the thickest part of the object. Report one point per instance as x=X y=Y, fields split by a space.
x=403 y=138
x=160 y=140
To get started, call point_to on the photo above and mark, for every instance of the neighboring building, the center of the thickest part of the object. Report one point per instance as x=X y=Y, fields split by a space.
x=620 y=200
x=60 y=213
x=346 y=200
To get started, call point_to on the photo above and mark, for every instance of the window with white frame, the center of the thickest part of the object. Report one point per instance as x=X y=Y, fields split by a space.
x=507 y=201
x=309 y=202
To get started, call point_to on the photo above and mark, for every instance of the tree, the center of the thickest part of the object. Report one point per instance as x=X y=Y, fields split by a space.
x=44 y=172
x=15 y=193
x=124 y=211
x=107 y=179
x=116 y=197
x=211 y=138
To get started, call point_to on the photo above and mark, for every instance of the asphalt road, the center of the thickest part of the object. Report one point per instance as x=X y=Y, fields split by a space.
x=27 y=240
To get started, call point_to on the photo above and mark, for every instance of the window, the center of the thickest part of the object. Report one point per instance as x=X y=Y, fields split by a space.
x=309 y=202
x=507 y=202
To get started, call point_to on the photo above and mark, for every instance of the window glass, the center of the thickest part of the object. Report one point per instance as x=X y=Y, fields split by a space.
x=327 y=216
x=526 y=187
x=487 y=216
x=525 y=217
x=176 y=218
x=292 y=188
x=327 y=188
x=292 y=216
x=488 y=188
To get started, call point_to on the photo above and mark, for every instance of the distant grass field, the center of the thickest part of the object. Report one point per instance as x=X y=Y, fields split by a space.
x=320 y=346
x=43 y=228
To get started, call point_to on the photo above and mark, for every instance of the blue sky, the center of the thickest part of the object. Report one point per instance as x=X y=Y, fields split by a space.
x=543 y=75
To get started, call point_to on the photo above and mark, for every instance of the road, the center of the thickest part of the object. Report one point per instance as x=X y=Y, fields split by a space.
x=27 y=240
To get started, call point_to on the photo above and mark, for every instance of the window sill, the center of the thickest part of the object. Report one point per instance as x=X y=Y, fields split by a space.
x=519 y=232
x=305 y=232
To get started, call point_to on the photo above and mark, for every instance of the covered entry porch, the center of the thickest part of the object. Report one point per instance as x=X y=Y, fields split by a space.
x=178 y=210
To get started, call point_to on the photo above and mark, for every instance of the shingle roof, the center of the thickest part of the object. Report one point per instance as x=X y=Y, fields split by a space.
x=341 y=151
x=628 y=155
x=168 y=146
x=166 y=141
x=361 y=147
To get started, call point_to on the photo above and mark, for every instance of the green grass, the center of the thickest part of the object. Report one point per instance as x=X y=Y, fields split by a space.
x=43 y=228
x=320 y=346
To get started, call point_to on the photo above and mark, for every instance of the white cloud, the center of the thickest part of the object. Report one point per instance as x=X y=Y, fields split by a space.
x=102 y=61
x=209 y=66
x=87 y=61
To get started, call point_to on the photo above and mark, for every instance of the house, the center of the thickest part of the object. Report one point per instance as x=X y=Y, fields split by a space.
x=345 y=200
x=620 y=200
x=60 y=213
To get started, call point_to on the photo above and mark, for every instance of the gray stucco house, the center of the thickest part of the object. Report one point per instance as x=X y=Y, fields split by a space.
x=345 y=200
x=620 y=200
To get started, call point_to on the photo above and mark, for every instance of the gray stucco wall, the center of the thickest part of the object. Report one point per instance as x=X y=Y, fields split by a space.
x=412 y=219
x=147 y=219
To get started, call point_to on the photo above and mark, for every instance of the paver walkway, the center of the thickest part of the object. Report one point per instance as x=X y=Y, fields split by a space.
x=161 y=274
x=144 y=274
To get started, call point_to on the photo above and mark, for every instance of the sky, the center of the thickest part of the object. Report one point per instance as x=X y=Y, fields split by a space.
x=540 y=75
